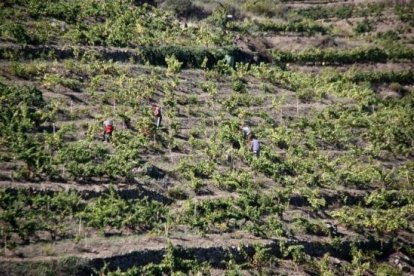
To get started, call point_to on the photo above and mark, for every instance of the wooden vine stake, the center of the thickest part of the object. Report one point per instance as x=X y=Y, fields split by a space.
x=281 y=114
x=80 y=227
x=166 y=228
x=297 y=106
x=5 y=240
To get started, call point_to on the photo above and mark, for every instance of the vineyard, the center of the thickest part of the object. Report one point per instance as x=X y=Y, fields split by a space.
x=326 y=86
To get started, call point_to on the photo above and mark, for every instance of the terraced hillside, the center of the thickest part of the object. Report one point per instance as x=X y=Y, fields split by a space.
x=326 y=86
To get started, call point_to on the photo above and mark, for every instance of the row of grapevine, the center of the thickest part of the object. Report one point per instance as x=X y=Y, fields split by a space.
x=335 y=56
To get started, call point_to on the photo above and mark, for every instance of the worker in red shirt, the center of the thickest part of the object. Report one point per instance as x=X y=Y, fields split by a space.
x=108 y=128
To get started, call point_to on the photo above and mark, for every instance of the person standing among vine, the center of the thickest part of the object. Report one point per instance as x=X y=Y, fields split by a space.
x=108 y=129
x=246 y=131
x=254 y=145
x=156 y=110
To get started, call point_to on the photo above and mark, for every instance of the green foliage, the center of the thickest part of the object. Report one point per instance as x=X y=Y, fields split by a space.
x=188 y=56
x=382 y=221
x=219 y=18
x=245 y=212
x=314 y=199
x=388 y=35
x=27 y=70
x=23 y=112
x=23 y=109
x=15 y=32
x=363 y=26
x=266 y=7
x=361 y=262
x=238 y=86
x=111 y=211
x=385 y=199
x=51 y=81
x=176 y=262
x=210 y=87
x=311 y=228
x=405 y=13
x=82 y=159
x=262 y=257
x=305 y=95
x=307 y=27
x=342 y=12
x=180 y=7
x=132 y=91
x=325 y=267
x=26 y=214
x=173 y=64
x=201 y=169
x=124 y=24
x=296 y=252
x=58 y=9
x=107 y=23
x=236 y=101
x=271 y=165
x=387 y=270
x=222 y=67
x=402 y=77
x=335 y=56
x=233 y=180
x=344 y=145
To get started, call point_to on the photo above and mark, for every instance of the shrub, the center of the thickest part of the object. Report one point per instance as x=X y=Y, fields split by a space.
x=16 y=32
x=233 y=180
x=111 y=210
x=388 y=35
x=82 y=159
x=23 y=111
x=395 y=86
x=364 y=26
x=308 y=27
x=27 y=70
x=405 y=13
x=401 y=77
x=173 y=64
x=189 y=56
x=180 y=7
x=238 y=85
x=305 y=95
x=52 y=80
x=342 y=12
x=385 y=269
x=343 y=56
x=201 y=169
x=265 y=7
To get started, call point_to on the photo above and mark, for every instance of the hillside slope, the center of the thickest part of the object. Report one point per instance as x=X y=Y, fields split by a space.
x=326 y=87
